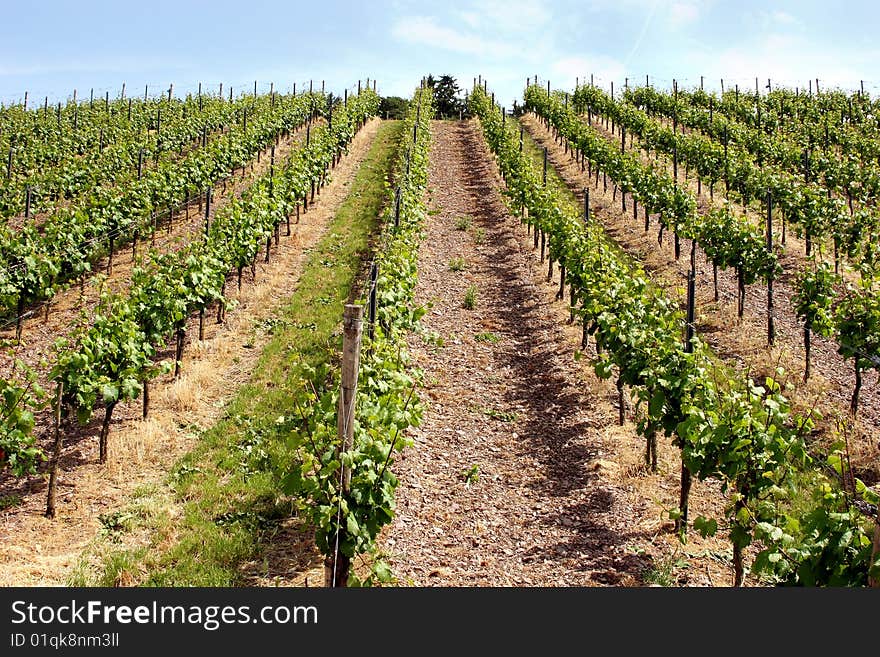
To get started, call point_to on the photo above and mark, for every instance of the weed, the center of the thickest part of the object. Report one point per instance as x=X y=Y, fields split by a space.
x=432 y=338
x=115 y=523
x=663 y=572
x=504 y=416
x=479 y=236
x=457 y=264
x=489 y=337
x=470 y=298
x=472 y=475
x=9 y=501
x=273 y=325
x=463 y=223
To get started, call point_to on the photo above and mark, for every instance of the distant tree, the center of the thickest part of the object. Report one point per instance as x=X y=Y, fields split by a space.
x=446 y=96
x=393 y=107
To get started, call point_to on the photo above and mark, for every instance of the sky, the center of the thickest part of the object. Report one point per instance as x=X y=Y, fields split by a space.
x=100 y=45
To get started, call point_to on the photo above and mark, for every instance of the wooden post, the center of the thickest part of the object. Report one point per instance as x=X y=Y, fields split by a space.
x=56 y=454
x=336 y=566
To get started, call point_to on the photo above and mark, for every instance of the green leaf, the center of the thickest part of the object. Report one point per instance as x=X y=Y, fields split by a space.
x=706 y=526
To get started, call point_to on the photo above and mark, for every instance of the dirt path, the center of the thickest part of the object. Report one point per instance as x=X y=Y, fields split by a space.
x=742 y=342
x=508 y=481
x=38 y=551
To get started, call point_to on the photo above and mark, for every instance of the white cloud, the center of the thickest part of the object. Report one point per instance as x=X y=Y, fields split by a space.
x=783 y=18
x=471 y=18
x=423 y=30
x=677 y=14
x=513 y=16
x=684 y=13
x=791 y=61
x=772 y=20
x=604 y=69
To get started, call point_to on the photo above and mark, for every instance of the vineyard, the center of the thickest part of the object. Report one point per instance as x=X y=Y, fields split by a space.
x=609 y=337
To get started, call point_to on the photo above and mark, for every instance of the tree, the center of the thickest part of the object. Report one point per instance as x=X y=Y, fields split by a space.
x=446 y=92
x=393 y=107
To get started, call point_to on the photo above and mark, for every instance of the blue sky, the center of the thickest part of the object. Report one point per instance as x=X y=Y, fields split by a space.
x=87 y=44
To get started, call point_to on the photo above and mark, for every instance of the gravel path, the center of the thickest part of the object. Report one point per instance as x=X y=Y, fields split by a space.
x=506 y=483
